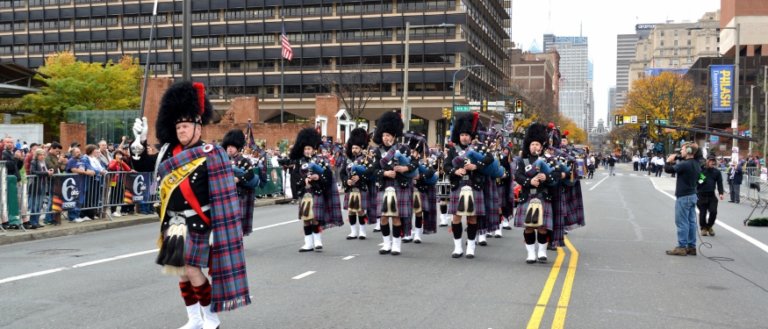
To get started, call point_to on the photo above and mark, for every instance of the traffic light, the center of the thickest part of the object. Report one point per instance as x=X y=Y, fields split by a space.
x=647 y=119
x=518 y=106
x=446 y=113
x=485 y=105
x=618 y=120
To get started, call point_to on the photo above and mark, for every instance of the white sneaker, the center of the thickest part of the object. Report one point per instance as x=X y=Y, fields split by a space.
x=86 y=218
x=116 y=214
x=79 y=220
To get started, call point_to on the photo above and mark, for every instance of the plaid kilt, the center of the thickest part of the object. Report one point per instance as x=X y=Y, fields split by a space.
x=246 y=199
x=520 y=214
x=574 y=203
x=479 y=200
x=197 y=248
x=373 y=194
x=490 y=222
x=404 y=199
x=429 y=208
x=318 y=206
x=364 y=200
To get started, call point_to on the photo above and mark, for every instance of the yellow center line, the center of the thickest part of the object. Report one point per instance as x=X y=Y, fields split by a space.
x=541 y=305
x=565 y=294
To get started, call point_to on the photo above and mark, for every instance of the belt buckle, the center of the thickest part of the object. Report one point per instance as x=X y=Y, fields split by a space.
x=465 y=177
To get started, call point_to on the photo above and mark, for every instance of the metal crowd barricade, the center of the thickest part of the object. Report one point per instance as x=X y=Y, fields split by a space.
x=123 y=188
x=39 y=194
x=274 y=184
x=3 y=194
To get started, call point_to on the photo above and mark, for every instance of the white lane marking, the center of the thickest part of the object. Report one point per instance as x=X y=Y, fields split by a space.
x=275 y=225
x=738 y=233
x=633 y=174
x=303 y=275
x=105 y=260
x=598 y=183
x=114 y=258
x=348 y=257
x=31 y=275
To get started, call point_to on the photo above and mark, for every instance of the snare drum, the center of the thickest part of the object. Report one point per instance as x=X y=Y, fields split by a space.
x=443 y=189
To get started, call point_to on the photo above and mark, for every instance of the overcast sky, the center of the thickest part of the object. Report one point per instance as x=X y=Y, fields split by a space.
x=533 y=18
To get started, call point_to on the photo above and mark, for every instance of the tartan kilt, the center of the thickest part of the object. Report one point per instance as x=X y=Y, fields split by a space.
x=373 y=194
x=404 y=199
x=197 y=248
x=246 y=210
x=574 y=204
x=490 y=222
x=479 y=201
x=429 y=208
x=520 y=214
x=364 y=202
x=318 y=207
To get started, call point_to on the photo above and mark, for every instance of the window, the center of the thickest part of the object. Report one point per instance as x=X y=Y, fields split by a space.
x=10 y=4
x=144 y=44
x=264 y=39
x=248 y=14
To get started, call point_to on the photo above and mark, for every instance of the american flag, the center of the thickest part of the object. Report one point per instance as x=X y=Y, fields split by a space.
x=286 y=44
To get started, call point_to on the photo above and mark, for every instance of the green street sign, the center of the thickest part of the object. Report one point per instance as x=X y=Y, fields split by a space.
x=662 y=121
x=461 y=108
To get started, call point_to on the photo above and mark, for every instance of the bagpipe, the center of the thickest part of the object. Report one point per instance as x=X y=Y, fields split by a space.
x=314 y=166
x=427 y=172
x=477 y=155
x=243 y=170
x=393 y=158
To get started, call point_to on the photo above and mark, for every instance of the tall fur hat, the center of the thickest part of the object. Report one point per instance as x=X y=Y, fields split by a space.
x=184 y=101
x=389 y=122
x=359 y=137
x=536 y=133
x=306 y=137
x=234 y=137
x=465 y=124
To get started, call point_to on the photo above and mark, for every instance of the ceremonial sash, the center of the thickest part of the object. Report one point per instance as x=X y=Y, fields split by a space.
x=178 y=177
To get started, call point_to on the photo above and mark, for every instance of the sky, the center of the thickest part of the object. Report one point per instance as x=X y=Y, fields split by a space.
x=531 y=19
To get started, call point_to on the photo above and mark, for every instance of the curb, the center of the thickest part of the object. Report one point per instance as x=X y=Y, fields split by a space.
x=14 y=236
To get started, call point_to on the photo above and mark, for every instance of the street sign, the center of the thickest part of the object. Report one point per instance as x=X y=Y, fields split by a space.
x=662 y=121
x=461 y=108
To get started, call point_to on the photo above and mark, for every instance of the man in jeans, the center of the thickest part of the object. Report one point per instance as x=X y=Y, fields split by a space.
x=687 y=170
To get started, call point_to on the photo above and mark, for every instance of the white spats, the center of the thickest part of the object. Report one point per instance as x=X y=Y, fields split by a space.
x=210 y=319
x=471 y=248
x=318 y=239
x=531 y=248
x=541 y=254
x=458 y=251
x=309 y=244
x=386 y=247
x=417 y=235
x=396 y=244
x=362 y=235
x=353 y=234
x=195 y=317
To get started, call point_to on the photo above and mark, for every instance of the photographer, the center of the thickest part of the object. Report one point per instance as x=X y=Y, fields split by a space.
x=709 y=179
x=687 y=170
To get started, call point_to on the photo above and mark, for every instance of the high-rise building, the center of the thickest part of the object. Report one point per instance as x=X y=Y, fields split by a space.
x=675 y=47
x=574 y=76
x=237 y=49
x=611 y=107
x=626 y=47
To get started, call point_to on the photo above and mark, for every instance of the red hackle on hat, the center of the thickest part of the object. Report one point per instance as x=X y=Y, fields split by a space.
x=551 y=125
x=200 y=88
x=475 y=119
x=565 y=133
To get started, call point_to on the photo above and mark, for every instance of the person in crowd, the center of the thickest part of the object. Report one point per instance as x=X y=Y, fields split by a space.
x=39 y=188
x=246 y=180
x=199 y=211
x=117 y=164
x=94 y=186
x=710 y=181
x=735 y=176
x=612 y=165
x=103 y=154
x=57 y=163
x=687 y=170
x=29 y=156
x=76 y=165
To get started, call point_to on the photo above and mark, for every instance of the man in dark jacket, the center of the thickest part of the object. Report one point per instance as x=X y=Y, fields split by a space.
x=735 y=176
x=688 y=170
x=709 y=179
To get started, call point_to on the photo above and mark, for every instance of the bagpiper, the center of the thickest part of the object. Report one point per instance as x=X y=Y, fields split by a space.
x=355 y=176
x=245 y=178
x=534 y=209
x=319 y=203
x=425 y=189
x=199 y=211
x=395 y=174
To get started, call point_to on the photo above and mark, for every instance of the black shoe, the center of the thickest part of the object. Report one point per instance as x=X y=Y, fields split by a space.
x=384 y=252
x=28 y=226
x=14 y=227
x=5 y=226
x=457 y=255
x=483 y=243
x=508 y=228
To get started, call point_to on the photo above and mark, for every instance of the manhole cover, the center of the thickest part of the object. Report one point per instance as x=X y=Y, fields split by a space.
x=54 y=251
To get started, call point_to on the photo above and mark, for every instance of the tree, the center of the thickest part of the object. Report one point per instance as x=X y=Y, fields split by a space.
x=72 y=85
x=354 y=88
x=666 y=96
x=576 y=135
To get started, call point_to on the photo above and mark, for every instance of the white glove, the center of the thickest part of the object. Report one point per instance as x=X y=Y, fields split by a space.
x=140 y=129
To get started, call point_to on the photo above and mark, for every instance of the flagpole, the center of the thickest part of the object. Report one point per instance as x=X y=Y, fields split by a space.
x=282 y=87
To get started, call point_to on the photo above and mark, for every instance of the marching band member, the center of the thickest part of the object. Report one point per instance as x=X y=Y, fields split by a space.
x=570 y=206
x=354 y=177
x=319 y=203
x=466 y=184
x=425 y=190
x=505 y=185
x=373 y=193
x=490 y=222
x=395 y=184
x=445 y=217
x=534 y=209
x=199 y=210
x=245 y=179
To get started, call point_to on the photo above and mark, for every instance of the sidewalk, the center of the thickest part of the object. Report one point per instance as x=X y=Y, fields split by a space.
x=69 y=228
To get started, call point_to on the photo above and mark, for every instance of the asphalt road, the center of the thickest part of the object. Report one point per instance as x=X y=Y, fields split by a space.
x=614 y=275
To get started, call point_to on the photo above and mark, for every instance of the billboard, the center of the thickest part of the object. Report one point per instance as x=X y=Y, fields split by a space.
x=722 y=87
x=656 y=71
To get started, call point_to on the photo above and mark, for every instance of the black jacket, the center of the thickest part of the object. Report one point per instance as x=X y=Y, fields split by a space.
x=712 y=179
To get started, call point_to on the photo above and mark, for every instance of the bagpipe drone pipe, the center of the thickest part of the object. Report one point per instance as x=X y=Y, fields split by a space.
x=243 y=170
x=428 y=174
x=312 y=167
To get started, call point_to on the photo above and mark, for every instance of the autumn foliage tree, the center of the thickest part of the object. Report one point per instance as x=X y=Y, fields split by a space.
x=72 y=85
x=666 y=96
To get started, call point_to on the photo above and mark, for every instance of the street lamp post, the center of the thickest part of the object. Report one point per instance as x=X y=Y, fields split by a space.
x=406 y=110
x=765 y=97
x=751 y=108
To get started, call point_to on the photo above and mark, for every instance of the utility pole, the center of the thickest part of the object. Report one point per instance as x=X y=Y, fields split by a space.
x=751 y=108
x=765 y=108
x=186 y=36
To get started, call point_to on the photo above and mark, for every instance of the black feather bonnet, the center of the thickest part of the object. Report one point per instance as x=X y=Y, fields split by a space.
x=389 y=122
x=183 y=102
x=359 y=137
x=306 y=137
